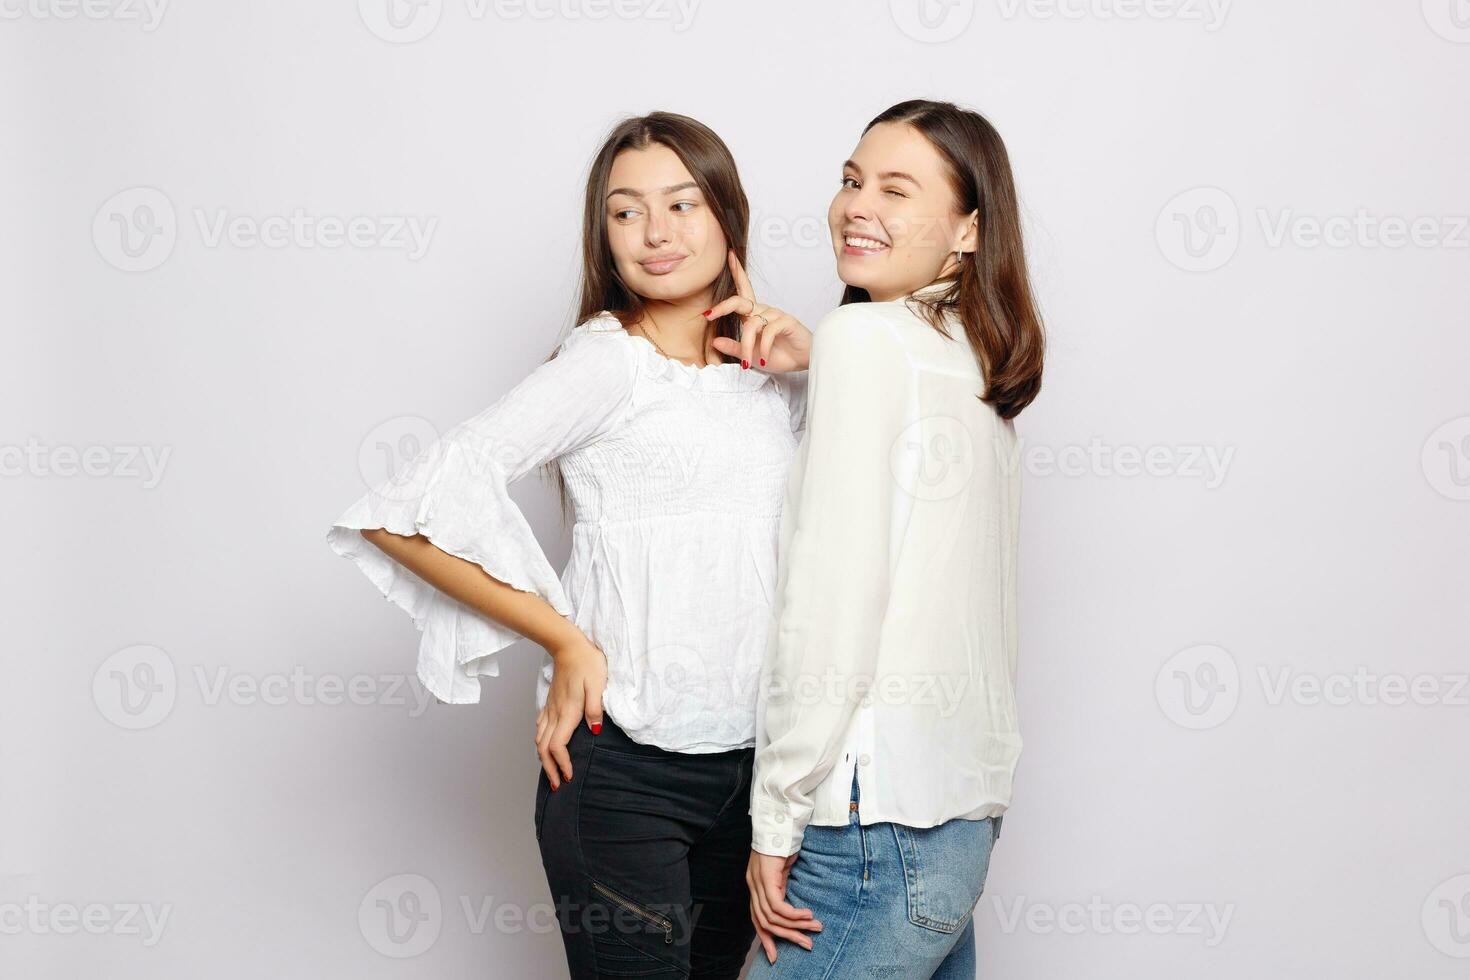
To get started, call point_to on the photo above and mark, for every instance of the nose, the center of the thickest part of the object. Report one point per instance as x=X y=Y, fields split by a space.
x=859 y=206
x=656 y=232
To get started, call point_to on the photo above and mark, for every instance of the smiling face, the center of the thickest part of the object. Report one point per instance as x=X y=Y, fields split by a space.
x=895 y=221
x=665 y=239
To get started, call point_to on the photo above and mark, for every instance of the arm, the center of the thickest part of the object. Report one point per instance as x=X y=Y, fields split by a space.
x=833 y=590
x=525 y=612
x=450 y=546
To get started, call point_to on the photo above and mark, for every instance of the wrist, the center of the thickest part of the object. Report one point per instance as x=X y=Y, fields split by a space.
x=567 y=642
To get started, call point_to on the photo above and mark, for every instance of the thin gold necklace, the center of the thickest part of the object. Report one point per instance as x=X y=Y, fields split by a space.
x=656 y=347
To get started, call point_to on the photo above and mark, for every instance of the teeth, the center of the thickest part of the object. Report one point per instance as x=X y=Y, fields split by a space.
x=856 y=242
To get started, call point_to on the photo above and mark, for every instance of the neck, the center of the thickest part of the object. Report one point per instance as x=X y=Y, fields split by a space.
x=910 y=290
x=679 y=326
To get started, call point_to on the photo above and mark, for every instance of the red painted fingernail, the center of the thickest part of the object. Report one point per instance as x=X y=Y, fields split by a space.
x=763 y=362
x=706 y=312
x=554 y=787
x=597 y=728
x=744 y=363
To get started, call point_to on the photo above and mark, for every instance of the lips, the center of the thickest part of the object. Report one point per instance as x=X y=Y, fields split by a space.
x=661 y=265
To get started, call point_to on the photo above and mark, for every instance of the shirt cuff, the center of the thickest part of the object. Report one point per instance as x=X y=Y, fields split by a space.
x=774 y=830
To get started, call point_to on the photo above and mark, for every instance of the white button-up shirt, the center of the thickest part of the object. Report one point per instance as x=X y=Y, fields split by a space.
x=893 y=649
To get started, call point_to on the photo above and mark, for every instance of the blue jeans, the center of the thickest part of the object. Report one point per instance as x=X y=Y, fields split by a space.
x=894 y=901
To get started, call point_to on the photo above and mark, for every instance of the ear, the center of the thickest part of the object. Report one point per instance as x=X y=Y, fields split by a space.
x=969 y=238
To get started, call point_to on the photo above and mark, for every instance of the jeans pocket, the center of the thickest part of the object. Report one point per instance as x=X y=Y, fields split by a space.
x=944 y=870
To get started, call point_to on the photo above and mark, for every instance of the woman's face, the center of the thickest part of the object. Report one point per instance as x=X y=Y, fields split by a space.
x=894 y=222
x=664 y=238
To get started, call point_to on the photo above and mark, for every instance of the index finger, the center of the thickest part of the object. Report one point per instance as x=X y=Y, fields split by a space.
x=742 y=281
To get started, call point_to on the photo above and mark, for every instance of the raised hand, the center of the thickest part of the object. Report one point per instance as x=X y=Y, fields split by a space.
x=769 y=338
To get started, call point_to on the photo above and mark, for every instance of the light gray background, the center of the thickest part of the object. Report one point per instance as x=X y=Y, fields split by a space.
x=1169 y=783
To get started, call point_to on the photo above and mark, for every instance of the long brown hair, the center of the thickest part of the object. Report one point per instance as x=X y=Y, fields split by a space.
x=990 y=294
x=712 y=166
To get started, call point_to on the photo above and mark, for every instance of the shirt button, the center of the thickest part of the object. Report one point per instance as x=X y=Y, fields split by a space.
x=864 y=759
x=780 y=818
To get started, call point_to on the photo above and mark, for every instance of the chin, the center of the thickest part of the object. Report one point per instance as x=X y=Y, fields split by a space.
x=669 y=289
x=855 y=278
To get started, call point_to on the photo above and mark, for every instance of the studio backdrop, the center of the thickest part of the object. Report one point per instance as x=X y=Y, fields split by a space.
x=255 y=256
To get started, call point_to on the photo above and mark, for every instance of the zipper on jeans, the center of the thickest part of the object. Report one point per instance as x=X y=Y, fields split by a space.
x=658 y=920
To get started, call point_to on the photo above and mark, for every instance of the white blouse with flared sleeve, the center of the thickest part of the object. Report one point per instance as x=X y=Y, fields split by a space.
x=893 y=651
x=675 y=474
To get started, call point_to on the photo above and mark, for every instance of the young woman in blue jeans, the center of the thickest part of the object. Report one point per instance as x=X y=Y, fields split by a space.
x=887 y=734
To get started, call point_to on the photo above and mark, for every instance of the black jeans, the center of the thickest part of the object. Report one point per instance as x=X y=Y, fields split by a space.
x=645 y=851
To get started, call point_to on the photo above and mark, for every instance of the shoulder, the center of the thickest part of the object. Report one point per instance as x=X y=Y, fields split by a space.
x=597 y=349
x=601 y=332
x=601 y=323
x=863 y=337
x=601 y=327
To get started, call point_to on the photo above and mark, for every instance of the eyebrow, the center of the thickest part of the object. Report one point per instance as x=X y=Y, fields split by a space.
x=886 y=175
x=662 y=190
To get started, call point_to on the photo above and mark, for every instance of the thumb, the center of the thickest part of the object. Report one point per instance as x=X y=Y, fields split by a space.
x=593 y=710
x=727 y=345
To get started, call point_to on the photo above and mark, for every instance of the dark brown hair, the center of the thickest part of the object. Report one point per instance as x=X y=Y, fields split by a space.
x=710 y=163
x=990 y=294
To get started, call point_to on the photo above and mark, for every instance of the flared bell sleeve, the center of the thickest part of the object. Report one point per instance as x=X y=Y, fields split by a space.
x=455 y=493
